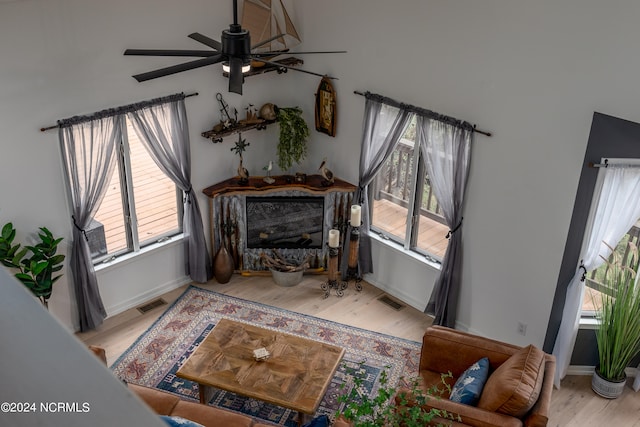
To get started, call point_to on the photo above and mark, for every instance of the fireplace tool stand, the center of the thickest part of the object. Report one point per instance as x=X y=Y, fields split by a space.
x=352 y=268
x=333 y=281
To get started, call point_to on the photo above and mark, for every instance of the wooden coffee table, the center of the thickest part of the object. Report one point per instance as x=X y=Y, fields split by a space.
x=295 y=376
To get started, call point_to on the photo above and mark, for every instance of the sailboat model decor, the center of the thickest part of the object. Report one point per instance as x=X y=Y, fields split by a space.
x=270 y=25
x=236 y=51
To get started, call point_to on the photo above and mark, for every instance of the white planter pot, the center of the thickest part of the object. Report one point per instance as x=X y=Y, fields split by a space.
x=605 y=388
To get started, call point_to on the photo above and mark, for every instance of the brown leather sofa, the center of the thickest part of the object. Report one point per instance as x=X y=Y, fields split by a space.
x=164 y=403
x=517 y=392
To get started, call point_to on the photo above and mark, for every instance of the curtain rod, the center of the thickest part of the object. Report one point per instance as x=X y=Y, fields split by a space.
x=612 y=166
x=423 y=111
x=44 y=129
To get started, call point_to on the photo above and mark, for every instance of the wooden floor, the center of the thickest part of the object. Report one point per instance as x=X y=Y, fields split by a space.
x=574 y=405
x=392 y=218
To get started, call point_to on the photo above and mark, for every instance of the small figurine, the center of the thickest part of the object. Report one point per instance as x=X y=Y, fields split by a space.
x=243 y=173
x=268 y=178
x=252 y=117
x=326 y=173
x=239 y=147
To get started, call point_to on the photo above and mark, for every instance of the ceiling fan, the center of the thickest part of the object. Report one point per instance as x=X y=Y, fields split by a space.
x=235 y=52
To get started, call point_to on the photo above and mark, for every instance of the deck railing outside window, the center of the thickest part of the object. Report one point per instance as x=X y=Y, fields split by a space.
x=392 y=197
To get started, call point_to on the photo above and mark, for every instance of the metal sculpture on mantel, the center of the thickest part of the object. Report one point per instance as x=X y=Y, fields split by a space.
x=235 y=52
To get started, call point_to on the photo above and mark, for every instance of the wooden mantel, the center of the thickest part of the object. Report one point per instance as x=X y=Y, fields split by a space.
x=312 y=183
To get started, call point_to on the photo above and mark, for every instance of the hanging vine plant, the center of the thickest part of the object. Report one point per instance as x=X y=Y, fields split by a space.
x=294 y=132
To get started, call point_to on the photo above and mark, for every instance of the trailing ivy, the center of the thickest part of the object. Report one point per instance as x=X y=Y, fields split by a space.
x=294 y=132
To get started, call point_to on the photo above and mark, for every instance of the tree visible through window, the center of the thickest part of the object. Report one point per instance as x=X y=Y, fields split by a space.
x=141 y=206
x=595 y=288
x=404 y=208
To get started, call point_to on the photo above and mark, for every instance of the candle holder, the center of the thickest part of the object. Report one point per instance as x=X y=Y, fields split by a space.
x=352 y=267
x=333 y=281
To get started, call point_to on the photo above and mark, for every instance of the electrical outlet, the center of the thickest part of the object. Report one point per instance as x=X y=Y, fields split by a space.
x=522 y=328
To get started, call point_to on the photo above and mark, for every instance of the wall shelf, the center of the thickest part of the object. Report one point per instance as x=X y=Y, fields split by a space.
x=216 y=137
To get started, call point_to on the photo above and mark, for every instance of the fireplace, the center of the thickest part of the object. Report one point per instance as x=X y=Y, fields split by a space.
x=294 y=217
x=285 y=222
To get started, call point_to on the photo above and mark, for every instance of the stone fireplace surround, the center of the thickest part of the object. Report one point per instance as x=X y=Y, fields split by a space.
x=227 y=215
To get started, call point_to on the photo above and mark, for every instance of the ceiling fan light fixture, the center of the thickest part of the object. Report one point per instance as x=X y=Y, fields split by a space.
x=227 y=69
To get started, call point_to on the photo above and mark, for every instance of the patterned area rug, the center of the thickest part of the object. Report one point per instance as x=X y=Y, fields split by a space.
x=156 y=356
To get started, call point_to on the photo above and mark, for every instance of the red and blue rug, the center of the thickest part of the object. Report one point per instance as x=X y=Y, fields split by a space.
x=156 y=355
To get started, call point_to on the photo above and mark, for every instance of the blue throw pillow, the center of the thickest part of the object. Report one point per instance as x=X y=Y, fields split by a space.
x=179 y=422
x=468 y=387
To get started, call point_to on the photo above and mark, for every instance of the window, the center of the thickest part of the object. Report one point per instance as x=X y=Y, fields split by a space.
x=593 y=281
x=404 y=208
x=142 y=205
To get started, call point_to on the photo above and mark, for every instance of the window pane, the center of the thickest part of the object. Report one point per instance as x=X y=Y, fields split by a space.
x=109 y=224
x=392 y=191
x=154 y=193
x=432 y=231
x=593 y=293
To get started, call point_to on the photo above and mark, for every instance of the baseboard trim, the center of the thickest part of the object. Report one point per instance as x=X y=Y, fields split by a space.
x=146 y=296
x=588 y=370
x=405 y=298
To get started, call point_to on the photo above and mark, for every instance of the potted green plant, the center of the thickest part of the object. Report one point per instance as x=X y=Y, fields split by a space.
x=294 y=132
x=36 y=264
x=389 y=406
x=618 y=330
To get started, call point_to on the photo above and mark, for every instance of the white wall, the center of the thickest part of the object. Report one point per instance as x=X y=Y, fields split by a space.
x=532 y=73
x=62 y=58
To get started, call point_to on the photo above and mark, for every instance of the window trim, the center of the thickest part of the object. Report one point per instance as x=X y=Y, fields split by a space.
x=416 y=186
x=134 y=245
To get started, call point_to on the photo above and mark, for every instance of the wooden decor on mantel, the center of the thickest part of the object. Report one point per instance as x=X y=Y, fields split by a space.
x=312 y=183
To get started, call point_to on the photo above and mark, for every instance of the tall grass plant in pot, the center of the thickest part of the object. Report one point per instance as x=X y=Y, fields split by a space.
x=618 y=331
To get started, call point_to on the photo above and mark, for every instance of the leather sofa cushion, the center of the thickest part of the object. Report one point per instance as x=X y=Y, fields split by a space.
x=513 y=388
x=161 y=403
x=210 y=417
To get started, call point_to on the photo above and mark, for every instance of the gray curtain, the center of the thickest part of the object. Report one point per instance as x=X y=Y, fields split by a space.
x=164 y=132
x=382 y=128
x=446 y=149
x=89 y=156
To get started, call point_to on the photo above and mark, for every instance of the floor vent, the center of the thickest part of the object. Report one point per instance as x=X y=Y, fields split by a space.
x=151 y=305
x=391 y=303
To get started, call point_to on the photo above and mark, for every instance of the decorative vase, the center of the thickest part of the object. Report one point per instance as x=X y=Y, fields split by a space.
x=223 y=265
x=607 y=388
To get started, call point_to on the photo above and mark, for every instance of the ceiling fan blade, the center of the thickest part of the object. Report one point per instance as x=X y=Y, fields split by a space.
x=277 y=64
x=236 y=78
x=271 y=53
x=269 y=40
x=215 y=44
x=308 y=53
x=288 y=52
x=178 y=68
x=163 y=52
